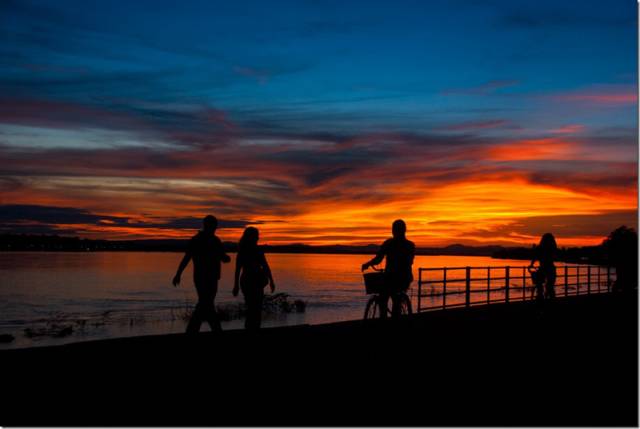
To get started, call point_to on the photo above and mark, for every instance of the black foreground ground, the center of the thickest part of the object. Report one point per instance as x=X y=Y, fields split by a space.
x=575 y=364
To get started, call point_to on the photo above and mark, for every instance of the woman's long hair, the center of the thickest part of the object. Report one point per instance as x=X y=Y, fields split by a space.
x=249 y=239
x=548 y=244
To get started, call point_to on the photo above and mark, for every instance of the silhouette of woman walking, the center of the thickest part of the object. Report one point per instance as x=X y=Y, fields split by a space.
x=252 y=275
x=545 y=253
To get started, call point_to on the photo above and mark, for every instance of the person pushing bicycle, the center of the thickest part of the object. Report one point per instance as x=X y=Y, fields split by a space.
x=398 y=275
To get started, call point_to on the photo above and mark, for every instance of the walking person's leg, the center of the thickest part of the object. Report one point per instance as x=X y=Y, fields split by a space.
x=551 y=286
x=258 y=310
x=193 y=327
x=199 y=313
x=253 y=300
x=205 y=309
x=249 y=305
x=212 y=318
x=211 y=313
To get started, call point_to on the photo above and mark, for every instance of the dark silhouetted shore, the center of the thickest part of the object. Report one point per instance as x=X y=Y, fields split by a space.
x=576 y=364
x=49 y=243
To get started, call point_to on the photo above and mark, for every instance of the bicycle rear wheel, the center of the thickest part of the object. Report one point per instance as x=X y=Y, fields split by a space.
x=405 y=304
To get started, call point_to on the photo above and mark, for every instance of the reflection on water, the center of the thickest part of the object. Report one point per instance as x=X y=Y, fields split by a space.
x=111 y=294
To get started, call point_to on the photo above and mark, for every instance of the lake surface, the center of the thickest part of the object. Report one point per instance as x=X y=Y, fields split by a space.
x=57 y=297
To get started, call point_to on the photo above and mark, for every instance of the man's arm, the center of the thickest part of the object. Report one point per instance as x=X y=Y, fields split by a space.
x=378 y=258
x=181 y=267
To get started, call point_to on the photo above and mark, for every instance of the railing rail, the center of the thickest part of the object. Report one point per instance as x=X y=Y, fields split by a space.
x=448 y=287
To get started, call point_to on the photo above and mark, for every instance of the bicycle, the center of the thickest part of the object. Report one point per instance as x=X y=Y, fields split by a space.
x=537 y=279
x=541 y=289
x=374 y=284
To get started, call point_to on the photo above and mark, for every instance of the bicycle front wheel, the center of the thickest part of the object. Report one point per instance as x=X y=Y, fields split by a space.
x=372 y=310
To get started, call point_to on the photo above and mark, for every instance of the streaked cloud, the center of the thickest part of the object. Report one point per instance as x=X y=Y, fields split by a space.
x=484 y=89
x=479 y=125
x=608 y=96
x=319 y=128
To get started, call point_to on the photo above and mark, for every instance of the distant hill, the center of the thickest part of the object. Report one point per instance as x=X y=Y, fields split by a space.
x=16 y=242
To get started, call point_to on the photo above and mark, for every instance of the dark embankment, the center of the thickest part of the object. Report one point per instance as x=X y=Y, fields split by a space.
x=501 y=365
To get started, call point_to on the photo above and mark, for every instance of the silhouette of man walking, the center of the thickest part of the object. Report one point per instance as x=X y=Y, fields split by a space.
x=206 y=250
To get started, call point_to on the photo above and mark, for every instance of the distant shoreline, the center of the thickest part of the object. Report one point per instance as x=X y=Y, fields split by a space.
x=268 y=250
x=15 y=242
x=53 y=243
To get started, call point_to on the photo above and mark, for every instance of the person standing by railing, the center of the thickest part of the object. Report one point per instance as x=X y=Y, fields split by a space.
x=398 y=272
x=545 y=254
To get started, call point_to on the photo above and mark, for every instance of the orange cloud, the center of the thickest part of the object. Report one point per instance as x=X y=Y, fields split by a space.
x=607 y=96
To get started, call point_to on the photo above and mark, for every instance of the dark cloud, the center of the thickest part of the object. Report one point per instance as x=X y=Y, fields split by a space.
x=600 y=224
x=58 y=114
x=11 y=214
x=51 y=219
x=196 y=223
x=479 y=125
x=201 y=128
x=37 y=229
x=133 y=161
x=583 y=175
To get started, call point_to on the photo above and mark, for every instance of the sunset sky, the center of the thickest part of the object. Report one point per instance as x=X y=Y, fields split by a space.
x=477 y=122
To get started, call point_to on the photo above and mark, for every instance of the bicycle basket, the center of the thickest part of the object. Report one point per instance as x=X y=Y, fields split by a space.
x=374 y=282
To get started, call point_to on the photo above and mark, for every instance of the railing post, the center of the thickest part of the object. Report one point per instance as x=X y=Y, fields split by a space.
x=577 y=280
x=599 y=279
x=444 y=289
x=467 y=291
x=608 y=278
x=488 y=285
x=506 y=284
x=566 y=281
x=589 y=280
x=419 y=289
x=524 y=284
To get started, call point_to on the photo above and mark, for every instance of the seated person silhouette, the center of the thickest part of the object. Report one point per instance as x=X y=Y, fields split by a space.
x=398 y=274
x=206 y=250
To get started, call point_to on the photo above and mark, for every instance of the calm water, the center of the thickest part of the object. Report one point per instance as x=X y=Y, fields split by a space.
x=55 y=298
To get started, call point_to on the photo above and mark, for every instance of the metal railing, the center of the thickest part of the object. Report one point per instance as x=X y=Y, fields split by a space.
x=447 y=287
